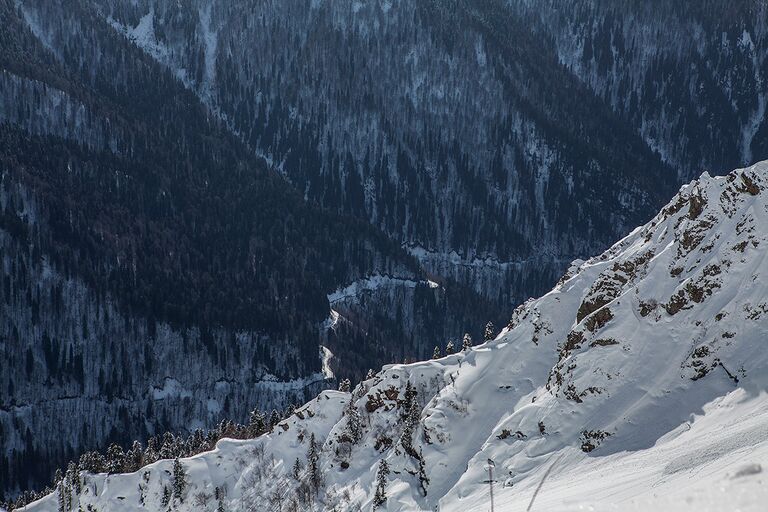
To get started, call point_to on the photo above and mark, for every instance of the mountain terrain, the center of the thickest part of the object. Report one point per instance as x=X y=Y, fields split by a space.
x=157 y=274
x=638 y=382
x=210 y=207
x=502 y=115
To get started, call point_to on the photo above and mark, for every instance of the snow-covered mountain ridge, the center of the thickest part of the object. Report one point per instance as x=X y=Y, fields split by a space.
x=639 y=381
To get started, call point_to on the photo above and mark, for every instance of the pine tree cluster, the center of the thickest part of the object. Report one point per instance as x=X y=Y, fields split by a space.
x=167 y=446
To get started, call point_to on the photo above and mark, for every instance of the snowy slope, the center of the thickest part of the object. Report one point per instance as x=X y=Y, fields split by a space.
x=640 y=379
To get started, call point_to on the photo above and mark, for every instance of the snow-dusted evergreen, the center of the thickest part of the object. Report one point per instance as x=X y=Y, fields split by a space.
x=638 y=381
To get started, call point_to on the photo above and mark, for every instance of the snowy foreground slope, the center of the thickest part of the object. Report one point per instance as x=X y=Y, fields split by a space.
x=638 y=383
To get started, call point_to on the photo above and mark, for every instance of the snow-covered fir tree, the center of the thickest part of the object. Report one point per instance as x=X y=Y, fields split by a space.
x=382 y=476
x=166 y=499
x=115 y=458
x=73 y=476
x=256 y=424
x=313 y=470
x=466 y=342
x=179 y=482
x=490 y=331
x=345 y=385
x=409 y=426
x=449 y=348
x=409 y=397
x=354 y=427
x=296 y=470
x=62 y=499
x=410 y=419
x=274 y=419
x=436 y=354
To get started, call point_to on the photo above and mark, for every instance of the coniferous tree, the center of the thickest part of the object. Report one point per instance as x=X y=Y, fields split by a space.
x=345 y=385
x=73 y=476
x=62 y=504
x=133 y=459
x=168 y=447
x=370 y=374
x=466 y=342
x=93 y=462
x=490 y=331
x=313 y=457
x=274 y=419
x=115 y=458
x=449 y=349
x=166 y=499
x=409 y=396
x=382 y=476
x=410 y=419
x=297 y=469
x=151 y=453
x=436 y=353
x=179 y=483
x=409 y=426
x=256 y=425
x=68 y=496
x=354 y=428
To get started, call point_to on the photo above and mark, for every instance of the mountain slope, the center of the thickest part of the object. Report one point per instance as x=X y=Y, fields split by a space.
x=156 y=274
x=142 y=222
x=688 y=77
x=640 y=378
x=367 y=109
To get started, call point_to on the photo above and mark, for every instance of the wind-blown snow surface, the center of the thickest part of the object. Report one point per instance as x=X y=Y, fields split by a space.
x=640 y=379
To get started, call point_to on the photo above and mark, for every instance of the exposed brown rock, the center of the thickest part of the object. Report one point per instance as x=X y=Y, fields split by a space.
x=575 y=339
x=646 y=308
x=373 y=403
x=604 y=342
x=391 y=393
x=591 y=439
x=750 y=186
x=598 y=319
x=695 y=206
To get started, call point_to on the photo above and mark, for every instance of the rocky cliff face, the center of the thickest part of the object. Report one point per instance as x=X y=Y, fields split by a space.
x=642 y=367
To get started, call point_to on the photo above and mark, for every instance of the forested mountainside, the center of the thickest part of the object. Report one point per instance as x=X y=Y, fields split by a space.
x=690 y=77
x=637 y=383
x=380 y=108
x=501 y=114
x=240 y=182
x=156 y=274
